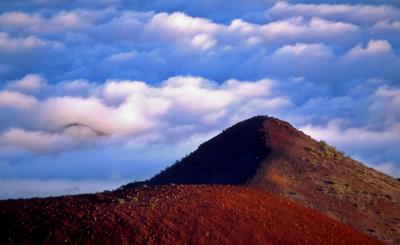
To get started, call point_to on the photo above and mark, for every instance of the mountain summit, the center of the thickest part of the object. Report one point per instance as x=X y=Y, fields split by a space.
x=270 y=154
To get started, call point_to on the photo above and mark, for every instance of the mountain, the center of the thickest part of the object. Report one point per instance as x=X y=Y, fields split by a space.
x=202 y=214
x=271 y=155
x=260 y=181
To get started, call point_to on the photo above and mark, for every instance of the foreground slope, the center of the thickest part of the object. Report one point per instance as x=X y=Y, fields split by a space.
x=270 y=154
x=173 y=215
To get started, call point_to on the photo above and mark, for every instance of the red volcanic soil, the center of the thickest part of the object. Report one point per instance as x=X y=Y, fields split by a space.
x=172 y=214
x=269 y=154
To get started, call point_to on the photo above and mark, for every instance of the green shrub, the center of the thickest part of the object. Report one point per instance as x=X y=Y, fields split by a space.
x=324 y=145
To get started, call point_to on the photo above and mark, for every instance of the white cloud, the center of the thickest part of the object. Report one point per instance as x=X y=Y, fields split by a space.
x=36 y=141
x=347 y=137
x=374 y=47
x=148 y=76
x=249 y=89
x=177 y=25
x=203 y=41
x=17 y=100
x=29 y=83
x=120 y=90
x=357 y=13
x=316 y=29
x=386 y=105
x=122 y=107
x=301 y=49
x=60 y=111
x=8 y=43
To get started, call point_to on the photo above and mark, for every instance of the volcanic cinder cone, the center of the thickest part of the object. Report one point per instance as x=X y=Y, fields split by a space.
x=270 y=154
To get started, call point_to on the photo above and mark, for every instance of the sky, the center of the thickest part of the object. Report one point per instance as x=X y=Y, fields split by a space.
x=98 y=93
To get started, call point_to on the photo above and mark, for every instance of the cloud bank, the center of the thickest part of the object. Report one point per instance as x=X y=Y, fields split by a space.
x=111 y=91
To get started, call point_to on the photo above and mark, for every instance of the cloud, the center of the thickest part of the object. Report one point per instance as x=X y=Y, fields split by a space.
x=16 y=100
x=203 y=41
x=359 y=13
x=386 y=105
x=114 y=88
x=29 y=83
x=176 y=25
x=374 y=47
x=112 y=113
x=35 y=141
x=316 y=29
x=129 y=44
x=9 y=44
x=126 y=107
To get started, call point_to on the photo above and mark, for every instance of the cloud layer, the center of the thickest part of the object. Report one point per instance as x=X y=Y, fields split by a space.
x=115 y=91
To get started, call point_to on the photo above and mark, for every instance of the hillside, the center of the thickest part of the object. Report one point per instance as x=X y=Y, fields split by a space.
x=171 y=215
x=270 y=154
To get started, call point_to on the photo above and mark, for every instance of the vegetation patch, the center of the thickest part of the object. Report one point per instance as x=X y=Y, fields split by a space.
x=324 y=145
x=330 y=151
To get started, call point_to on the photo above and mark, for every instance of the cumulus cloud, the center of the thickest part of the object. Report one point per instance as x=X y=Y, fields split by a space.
x=127 y=107
x=9 y=44
x=359 y=13
x=16 y=100
x=147 y=45
x=114 y=89
x=374 y=47
x=33 y=140
x=29 y=83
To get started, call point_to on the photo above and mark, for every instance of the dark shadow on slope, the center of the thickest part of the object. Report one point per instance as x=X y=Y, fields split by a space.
x=232 y=157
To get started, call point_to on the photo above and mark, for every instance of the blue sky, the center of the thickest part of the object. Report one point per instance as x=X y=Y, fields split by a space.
x=94 y=94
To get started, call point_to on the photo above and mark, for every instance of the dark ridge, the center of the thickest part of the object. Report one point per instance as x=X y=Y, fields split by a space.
x=132 y=185
x=76 y=125
x=97 y=132
x=232 y=157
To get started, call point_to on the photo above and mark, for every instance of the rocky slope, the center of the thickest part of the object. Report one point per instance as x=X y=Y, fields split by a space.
x=270 y=154
x=171 y=215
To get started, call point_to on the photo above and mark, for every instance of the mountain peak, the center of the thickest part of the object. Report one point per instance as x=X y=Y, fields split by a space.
x=234 y=155
x=231 y=157
x=270 y=154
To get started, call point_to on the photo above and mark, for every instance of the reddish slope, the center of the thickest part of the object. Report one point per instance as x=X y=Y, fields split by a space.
x=272 y=155
x=173 y=215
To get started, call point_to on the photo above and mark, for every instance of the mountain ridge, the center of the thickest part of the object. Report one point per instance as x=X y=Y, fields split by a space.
x=269 y=154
